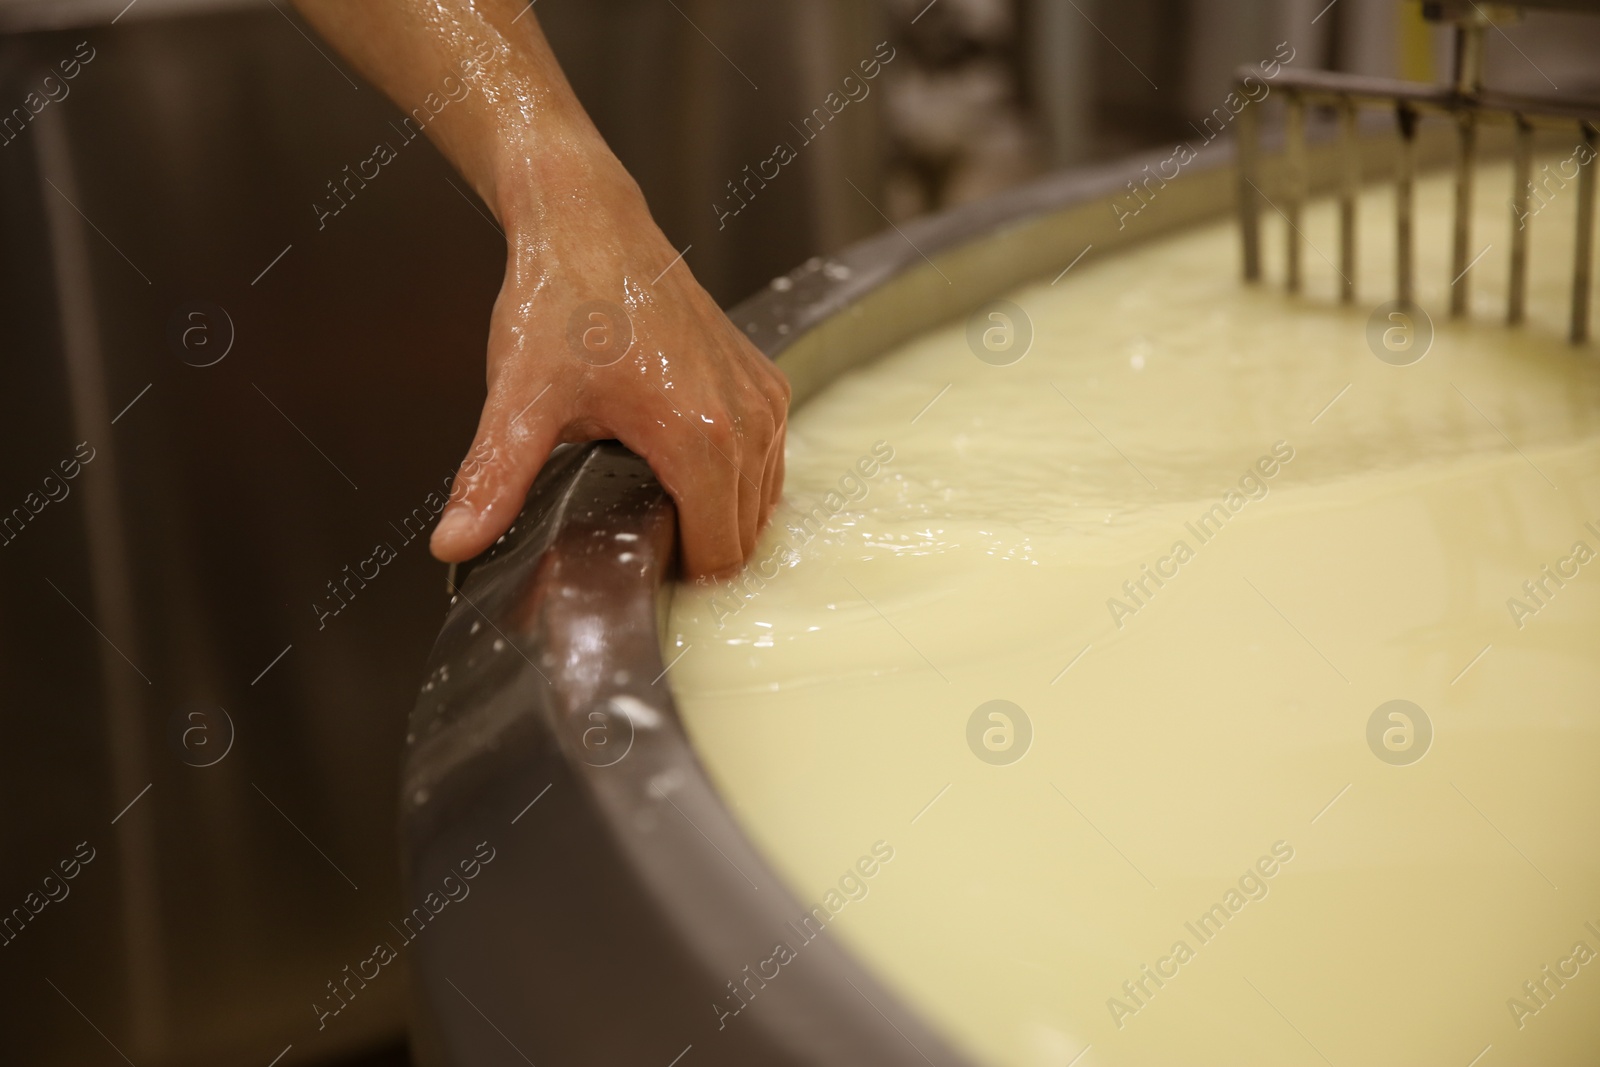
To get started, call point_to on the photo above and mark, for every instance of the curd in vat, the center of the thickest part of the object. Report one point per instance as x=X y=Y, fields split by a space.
x=1198 y=538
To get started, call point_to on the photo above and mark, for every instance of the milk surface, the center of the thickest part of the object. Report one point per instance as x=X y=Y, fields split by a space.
x=1196 y=540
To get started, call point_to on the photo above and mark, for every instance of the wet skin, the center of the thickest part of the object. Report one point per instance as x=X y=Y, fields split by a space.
x=690 y=393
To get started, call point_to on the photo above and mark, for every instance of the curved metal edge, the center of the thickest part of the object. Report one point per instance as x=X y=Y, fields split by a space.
x=822 y=317
x=625 y=914
x=799 y=302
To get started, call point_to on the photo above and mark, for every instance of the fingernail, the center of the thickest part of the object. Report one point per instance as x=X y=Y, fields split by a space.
x=456 y=522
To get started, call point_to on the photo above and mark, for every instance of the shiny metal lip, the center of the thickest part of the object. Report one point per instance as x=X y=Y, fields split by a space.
x=627 y=917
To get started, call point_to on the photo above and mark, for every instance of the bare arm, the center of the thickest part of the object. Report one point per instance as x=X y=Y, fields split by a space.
x=583 y=344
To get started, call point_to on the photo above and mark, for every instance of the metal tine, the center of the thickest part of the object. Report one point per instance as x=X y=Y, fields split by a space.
x=1349 y=191
x=1469 y=104
x=1404 y=188
x=1294 y=183
x=1469 y=83
x=1584 y=244
x=1249 y=197
x=1521 y=179
x=1461 y=250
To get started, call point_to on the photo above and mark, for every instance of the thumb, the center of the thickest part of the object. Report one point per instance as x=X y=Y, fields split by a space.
x=492 y=483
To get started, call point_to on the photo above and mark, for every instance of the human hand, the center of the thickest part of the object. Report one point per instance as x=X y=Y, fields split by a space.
x=600 y=331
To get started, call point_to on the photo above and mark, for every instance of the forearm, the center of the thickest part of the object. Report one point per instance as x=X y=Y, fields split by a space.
x=587 y=269
x=480 y=80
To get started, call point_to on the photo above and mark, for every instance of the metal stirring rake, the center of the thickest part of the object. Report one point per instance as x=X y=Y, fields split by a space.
x=1468 y=104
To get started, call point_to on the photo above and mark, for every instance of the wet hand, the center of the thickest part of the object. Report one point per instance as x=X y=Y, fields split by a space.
x=600 y=331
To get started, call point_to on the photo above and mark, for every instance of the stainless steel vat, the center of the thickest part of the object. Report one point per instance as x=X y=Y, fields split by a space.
x=627 y=900
x=187 y=564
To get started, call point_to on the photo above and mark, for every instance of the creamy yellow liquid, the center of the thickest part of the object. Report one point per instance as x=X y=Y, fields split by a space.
x=1228 y=715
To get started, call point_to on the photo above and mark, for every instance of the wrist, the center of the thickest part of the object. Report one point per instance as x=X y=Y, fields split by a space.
x=560 y=177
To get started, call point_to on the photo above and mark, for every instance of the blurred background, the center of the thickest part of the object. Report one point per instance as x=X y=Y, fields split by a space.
x=265 y=399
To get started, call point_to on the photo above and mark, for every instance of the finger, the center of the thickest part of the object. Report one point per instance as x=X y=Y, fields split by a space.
x=780 y=446
x=489 y=489
x=772 y=477
x=784 y=392
x=705 y=488
x=777 y=394
x=768 y=471
x=754 y=436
